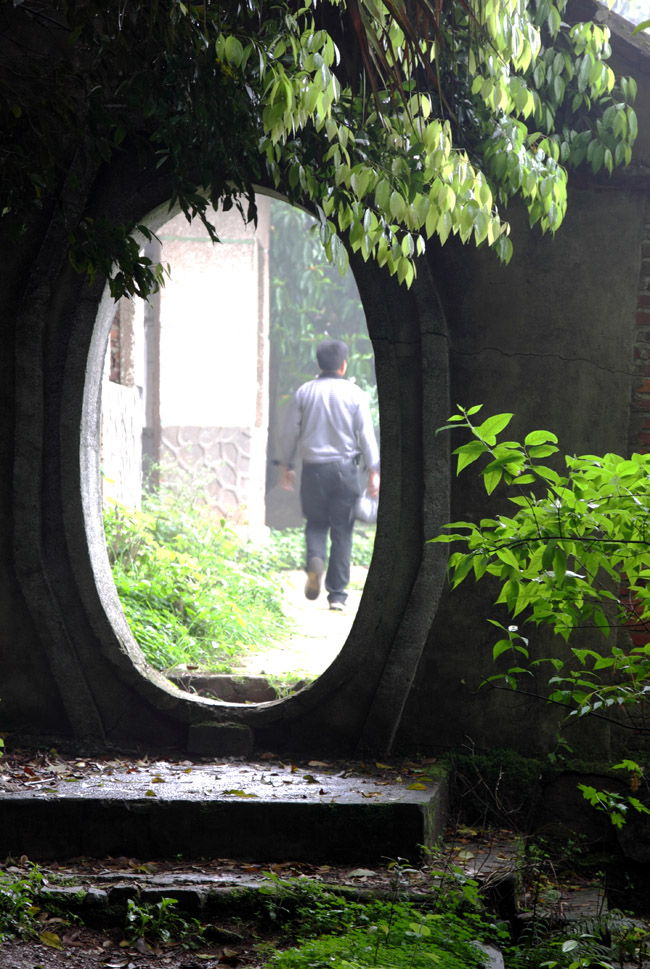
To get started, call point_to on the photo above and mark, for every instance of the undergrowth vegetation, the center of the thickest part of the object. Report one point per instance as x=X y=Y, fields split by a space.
x=296 y=923
x=193 y=590
x=286 y=549
x=18 y=907
x=331 y=930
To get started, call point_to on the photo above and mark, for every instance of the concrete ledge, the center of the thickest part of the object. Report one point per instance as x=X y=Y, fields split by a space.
x=240 y=811
x=222 y=739
x=226 y=687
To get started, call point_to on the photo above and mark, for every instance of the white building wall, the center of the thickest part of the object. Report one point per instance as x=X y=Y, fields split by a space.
x=209 y=322
x=214 y=322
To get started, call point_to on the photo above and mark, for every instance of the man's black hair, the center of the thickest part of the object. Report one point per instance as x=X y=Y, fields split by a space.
x=331 y=354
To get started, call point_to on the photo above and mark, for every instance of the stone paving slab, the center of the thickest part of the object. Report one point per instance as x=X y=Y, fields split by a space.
x=261 y=811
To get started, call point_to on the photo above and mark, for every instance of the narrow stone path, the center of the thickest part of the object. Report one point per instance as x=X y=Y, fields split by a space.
x=319 y=632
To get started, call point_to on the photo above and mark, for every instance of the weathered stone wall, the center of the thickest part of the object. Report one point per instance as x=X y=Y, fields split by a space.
x=560 y=338
x=640 y=416
x=550 y=337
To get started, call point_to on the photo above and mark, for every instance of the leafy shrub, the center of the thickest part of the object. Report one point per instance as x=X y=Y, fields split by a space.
x=159 y=922
x=286 y=550
x=18 y=910
x=572 y=555
x=192 y=590
x=334 y=929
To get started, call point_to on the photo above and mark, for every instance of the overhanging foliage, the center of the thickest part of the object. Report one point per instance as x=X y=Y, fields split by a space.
x=225 y=96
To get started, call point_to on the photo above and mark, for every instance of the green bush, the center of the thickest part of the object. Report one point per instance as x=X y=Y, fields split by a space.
x=286 y=549
x=572 y=555
x=18 y=909
x=192 y=590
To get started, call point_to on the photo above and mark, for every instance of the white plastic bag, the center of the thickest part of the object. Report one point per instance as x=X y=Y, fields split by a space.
x=365 y=509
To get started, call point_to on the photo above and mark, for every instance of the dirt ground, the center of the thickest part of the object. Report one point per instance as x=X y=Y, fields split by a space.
x=235 y=944
x=319 y=632
x=240 y=944
x=82 y=948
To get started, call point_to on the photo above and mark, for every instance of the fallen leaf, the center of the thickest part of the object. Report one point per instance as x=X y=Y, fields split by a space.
x=310 y=779
x=158 y=779
x=51 y=939
x=416 y=787
x=237 y=793
x=318 y=763
x=150 y=793
x=360 y=873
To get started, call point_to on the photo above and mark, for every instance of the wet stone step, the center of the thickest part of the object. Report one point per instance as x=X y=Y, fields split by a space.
x=260 y=811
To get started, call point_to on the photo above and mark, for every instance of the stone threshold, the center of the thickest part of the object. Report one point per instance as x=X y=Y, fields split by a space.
x=265 y=811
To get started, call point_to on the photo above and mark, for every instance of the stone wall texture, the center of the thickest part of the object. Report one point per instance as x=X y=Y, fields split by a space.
x=553 y=337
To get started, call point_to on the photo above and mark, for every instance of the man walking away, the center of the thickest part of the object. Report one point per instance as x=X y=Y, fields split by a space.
x=329 y=425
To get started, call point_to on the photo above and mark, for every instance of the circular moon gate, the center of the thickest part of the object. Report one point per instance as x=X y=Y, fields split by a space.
x=89 y=677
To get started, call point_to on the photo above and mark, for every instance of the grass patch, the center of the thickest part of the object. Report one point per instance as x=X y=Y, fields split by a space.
x=192 y=590
x=331 y=930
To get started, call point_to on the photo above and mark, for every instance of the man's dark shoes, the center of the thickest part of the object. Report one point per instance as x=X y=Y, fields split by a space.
x=315 y=569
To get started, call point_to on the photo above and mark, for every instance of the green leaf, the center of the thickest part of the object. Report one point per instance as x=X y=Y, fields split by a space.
x=468 y=453
x=542 y=450
x=489 y=429
x=461 y=569
x=501 y=647
x=491 y=479
x=548 y=556
x=540 y=437
x=397 y=206
x=51 y=939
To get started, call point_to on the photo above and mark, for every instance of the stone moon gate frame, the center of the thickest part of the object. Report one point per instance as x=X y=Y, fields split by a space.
x=560 y=337
x=88 y=678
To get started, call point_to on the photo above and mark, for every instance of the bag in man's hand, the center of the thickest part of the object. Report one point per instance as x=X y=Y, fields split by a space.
x=365 y=509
